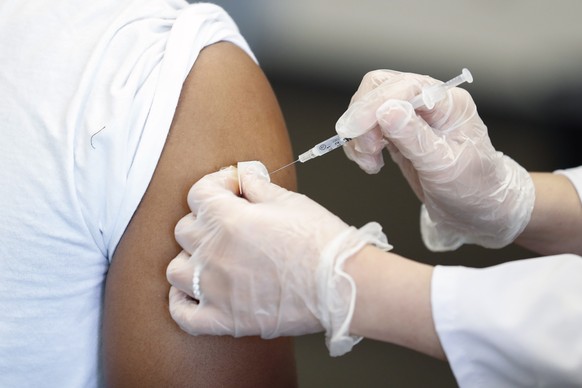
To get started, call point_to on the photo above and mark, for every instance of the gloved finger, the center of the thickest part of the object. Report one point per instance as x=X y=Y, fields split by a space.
x=366 y=150
x=185 y=233
x=413 y=137
x=180 y=273
x=183 y=310
x=458 y=105
x=360 y=117
x=253 y=168
x=372 y=80
x=198 y=319
x=371 y=142
x=371 y=163
x=256 y=188
x=407 y=169
x=223 y=183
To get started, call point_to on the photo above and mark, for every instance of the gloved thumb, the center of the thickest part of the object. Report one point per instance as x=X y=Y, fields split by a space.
x=255 y=183
x=221 y=184
x=254 y=169
x=412 y=136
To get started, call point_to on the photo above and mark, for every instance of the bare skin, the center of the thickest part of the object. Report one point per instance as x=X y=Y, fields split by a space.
x=556 y=221
x=227 y=113
x=393 y=302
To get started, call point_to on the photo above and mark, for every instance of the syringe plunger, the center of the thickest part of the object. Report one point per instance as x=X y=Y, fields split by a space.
x=432 y=94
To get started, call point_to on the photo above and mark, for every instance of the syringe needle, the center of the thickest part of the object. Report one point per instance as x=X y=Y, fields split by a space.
x=285 y=166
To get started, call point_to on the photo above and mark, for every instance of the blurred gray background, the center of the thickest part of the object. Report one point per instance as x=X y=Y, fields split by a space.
x=525 y=57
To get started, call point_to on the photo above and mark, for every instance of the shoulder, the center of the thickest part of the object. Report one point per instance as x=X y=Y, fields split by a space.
x=227 y=113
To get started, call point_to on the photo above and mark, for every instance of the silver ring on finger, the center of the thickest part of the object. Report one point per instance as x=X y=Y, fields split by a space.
x=196 y=285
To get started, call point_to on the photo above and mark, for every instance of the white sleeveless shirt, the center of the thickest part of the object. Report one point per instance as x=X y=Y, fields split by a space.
x=88 y=91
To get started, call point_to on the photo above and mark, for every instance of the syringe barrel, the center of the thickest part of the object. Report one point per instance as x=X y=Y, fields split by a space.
x=429 y=96
x=433 y=94
x=328 y=145
x=323 y=148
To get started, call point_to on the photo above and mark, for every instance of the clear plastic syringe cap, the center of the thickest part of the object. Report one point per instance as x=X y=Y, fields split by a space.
x=307 y=155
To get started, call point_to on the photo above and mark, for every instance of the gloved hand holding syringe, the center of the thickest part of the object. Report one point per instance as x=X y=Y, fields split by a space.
x=470 y=192
x=429 y=96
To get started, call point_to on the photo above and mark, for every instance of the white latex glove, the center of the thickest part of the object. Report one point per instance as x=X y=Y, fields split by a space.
x=268 y=263
x=471 y=193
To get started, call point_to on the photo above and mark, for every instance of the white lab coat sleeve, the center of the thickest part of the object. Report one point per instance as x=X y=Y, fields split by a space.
x=517 y=324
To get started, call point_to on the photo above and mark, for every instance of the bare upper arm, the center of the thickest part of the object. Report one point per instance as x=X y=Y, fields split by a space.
x=227 y=113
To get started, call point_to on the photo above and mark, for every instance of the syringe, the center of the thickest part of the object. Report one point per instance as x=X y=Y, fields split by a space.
x=319 y=149
x=429 y=96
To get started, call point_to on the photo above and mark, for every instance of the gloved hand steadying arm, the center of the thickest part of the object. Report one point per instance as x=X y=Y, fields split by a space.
x=268 y=263
x=471 y=193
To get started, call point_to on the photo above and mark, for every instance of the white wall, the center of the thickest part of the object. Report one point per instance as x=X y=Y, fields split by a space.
x=517 y=49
